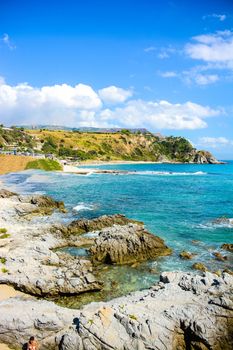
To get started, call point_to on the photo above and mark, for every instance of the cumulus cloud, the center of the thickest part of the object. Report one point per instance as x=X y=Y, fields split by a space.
x=80 y=105
x=58 y=103
x=217 y=47
x=7 y=41
x=114 y=94
x=159 y=115
x=215 y=142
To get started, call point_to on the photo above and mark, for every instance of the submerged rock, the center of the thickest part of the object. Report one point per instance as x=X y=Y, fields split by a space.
x=186 y=255
x=227 y=246
x=219 y=256
x=199 y=266
x=127 y=244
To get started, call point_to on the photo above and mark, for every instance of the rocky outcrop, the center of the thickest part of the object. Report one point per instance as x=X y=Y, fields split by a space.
x=127 y=244
x=33 y=266
x=85 y=225
x=185 y=255
x=30 y=264
x=6 y=194
x=204 y=157
x=199 y=266
x=227 y=246
x=183 y=311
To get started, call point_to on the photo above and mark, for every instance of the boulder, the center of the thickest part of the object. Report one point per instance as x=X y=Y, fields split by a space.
x=199 y=266
x=227 y=246
x=185 y=255
x=127 y=244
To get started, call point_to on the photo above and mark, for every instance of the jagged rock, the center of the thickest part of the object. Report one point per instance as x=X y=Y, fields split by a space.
x=127 y=244
x=187 y=312
x=219 y=256
x=227 y=246
x=85 y=225
x=185 y=255
x=199 y=266
x=6 y=194
x=224 y=221
x=204 y=157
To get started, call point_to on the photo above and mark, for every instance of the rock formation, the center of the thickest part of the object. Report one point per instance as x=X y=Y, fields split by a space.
x=182 y=311
x=33 y=266
x=127 y=244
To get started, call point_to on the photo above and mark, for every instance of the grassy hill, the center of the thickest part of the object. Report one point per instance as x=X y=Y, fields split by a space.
x=122 y=145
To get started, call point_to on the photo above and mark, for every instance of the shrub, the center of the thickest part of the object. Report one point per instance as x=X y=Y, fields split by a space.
x=44 y=164
x=3 y=230
x=5 y=235
x=4 y=270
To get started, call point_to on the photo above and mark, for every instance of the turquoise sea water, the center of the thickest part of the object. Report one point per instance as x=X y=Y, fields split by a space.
x=178 y=202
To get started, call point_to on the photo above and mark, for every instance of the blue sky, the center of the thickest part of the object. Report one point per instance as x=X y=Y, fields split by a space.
x=163 y=65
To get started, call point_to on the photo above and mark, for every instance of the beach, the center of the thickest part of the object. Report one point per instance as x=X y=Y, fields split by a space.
x=13 y=163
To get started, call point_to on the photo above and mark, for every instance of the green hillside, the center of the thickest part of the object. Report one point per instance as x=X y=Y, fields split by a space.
x=121 y=145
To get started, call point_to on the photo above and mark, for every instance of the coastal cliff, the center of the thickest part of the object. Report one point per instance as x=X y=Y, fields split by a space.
x=122 y=145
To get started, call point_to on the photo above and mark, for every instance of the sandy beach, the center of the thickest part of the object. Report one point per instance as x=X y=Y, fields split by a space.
x=5 y=293
x=8 y=292
x=12 y=163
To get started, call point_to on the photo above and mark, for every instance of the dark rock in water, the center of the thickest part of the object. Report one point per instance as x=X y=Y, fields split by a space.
x=219 y=256
x=85 y=225
x=223 y=221
x=185 y=255
x=199 y=266
x=227 y=246
x=6 y=194
x=127 y=244
x=204 y=157
x=47 y=202
x=230 y=272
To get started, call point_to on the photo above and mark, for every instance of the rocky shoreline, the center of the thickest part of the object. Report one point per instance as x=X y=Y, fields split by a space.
x=182 y=311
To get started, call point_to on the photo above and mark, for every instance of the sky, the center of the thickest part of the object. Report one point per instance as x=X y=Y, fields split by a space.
x=162 y=65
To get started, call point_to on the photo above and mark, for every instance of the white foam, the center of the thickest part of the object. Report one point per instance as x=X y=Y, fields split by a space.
x=167 y=173
x=82 y=206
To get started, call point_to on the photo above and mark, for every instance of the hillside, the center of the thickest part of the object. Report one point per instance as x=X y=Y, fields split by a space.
x=123 y=145
x=118 y=146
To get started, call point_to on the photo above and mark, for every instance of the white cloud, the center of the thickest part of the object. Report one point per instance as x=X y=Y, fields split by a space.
x=205 y=79
x=114 y=94
x=221 y=18
x=149 y=49
x=169 y=74
x=159 y=115
x=7 y=41
x=215 y=142
x=58 y=103
x=166 y=52
x=217 y=47
x=82 y=106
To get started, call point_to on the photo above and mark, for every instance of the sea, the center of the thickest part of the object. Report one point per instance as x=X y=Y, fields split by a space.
x=178 y=202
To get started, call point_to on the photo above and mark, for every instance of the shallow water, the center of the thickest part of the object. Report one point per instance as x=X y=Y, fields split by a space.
x=178 y=202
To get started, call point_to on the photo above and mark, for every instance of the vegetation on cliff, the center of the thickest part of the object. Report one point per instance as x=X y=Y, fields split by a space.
x=104 y=146
x=44 y=164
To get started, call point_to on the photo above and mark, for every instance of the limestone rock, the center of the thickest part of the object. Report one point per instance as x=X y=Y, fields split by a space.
x=187 y=312
x=84 y=225
x=127 y=244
